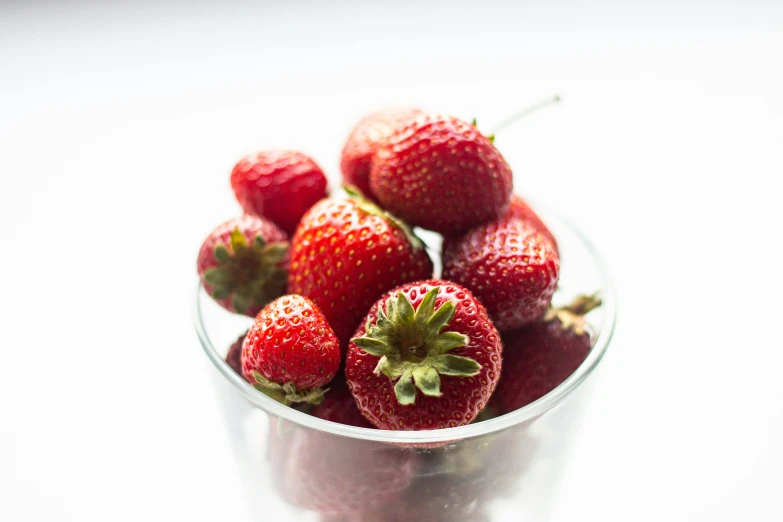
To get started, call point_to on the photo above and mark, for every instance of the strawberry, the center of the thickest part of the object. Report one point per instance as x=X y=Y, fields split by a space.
x=339 y=406
x=364 y=140
x=290 y=352
x=243 y=264
x=331 y=474
x=278 y=185
x=440 y=173
x=427 y=357
x=346 y=254
x=509 y=265
x=234 y=355
x=458 y=483
x=540 y=356
x=520 y=209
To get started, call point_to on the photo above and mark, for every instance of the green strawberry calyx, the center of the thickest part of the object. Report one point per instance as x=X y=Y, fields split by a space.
x=249 y=274
x=287 y=393
x=413 y=348
x=371 y=208
x=572 y=316
x=491 y=137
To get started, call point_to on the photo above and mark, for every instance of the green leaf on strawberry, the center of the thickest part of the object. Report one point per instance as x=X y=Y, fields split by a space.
x=287 y=393
x=251 y=275
x=371 y=208
x=412 y=347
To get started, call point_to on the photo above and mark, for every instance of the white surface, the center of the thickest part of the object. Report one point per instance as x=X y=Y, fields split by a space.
x=118 y=126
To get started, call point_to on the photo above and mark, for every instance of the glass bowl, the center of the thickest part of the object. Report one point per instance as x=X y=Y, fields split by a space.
x=298 y=467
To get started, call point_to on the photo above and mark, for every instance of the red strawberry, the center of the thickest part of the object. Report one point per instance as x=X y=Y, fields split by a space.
x=346 y=254
x=278 y=185
x=509 y=265
x=355 y=516
x=428 y=357
x=234 y=355
x=331 y=474
x=521 y=210
x=364 y=140
x=290 y=351
x=458 y=483
x=440 y=173
x=540 y=356
x=339 y=406
x=243 y=264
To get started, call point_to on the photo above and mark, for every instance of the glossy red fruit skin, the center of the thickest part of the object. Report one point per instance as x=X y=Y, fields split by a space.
x=536 y=360
x=250 y=226
x=442 y=174
x=520 y=209
x=290 y=341
x=463 y=397
x=278 y=185
x=234 y=355
x=339 y=406
x=510 y=266
x=344 y=259
x=365 y=139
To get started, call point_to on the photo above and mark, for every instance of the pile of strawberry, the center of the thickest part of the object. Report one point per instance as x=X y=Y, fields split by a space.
x=349 y=317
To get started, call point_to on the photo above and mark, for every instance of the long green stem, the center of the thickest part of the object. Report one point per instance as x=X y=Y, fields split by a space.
x=525 y=112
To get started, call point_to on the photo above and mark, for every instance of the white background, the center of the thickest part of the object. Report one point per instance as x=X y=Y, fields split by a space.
x=118 y=127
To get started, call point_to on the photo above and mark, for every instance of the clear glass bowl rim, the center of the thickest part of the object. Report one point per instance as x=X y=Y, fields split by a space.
x=487 y=427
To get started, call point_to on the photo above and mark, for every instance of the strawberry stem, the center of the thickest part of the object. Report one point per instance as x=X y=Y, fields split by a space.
x=249 y=273
x=413 y=348
x=287 y=393
x=583 y=304
x=572 y=315
x=371 y=208
x=530 y=109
